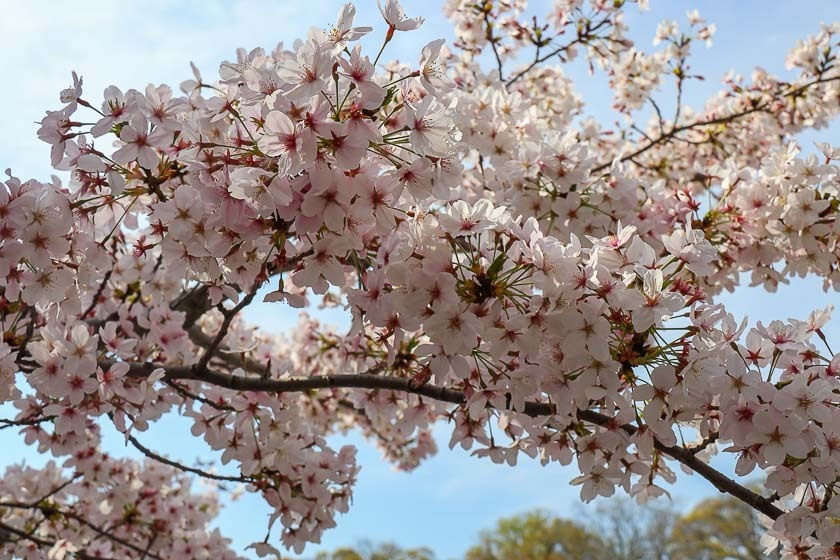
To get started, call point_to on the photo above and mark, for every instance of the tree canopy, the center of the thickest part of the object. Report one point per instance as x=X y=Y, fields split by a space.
x=543 y=284
x=714 y=529
x=538 y=536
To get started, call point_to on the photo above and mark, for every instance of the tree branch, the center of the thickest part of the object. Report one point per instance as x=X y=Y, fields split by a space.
x=561 y=49
x=401 y=384
x=180 y=466
x=224 y=327
x=719 y=120
x=492 y=40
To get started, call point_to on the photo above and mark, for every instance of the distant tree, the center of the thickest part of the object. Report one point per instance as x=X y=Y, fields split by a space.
x=382 y=551
x=538 y=536
x=340 y=554
x=717 y=529
x=630 y=532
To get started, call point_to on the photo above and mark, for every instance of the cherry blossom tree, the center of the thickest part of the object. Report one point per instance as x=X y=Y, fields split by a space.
x=538 y=283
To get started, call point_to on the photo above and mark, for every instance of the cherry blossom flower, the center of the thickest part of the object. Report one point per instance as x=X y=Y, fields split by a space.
x=343 y=31
x=360 y=71
x=396 y=18
x=282 y=138
x=432 y=72
x=140 y=144
x=430 y=131
x=307 y=71
x=657 y=304
x=778 y=436
x=454 y=329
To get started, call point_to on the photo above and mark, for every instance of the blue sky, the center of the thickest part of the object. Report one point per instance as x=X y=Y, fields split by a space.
x=446 y=501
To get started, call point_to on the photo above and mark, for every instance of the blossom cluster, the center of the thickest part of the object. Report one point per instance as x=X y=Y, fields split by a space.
x=109 y=508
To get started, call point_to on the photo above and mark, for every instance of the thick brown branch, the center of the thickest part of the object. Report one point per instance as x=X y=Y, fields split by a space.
x=720 y=481
x=366 y=381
